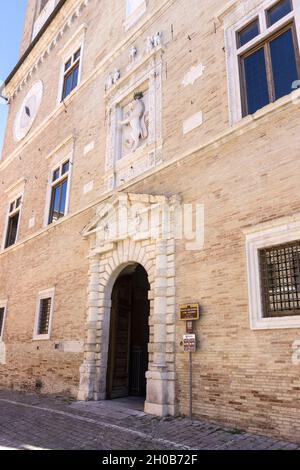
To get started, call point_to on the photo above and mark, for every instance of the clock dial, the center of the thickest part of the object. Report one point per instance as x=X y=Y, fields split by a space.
x=28 y=111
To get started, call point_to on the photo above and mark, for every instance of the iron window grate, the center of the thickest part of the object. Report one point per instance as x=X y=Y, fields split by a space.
x=280 y=280
x=44 y=317
x=2 y=311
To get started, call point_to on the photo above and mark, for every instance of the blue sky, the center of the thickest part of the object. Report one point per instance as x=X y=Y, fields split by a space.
x=12 y=16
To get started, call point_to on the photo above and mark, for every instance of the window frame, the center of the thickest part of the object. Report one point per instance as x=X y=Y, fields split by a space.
x=52 y=184
x=133 y=17
x=75 y=64
x=274 y=236
x=76 y=42
x=9 y=215
x=265 y=44
x=42 y=295
x=3 y=304
x=236 y=22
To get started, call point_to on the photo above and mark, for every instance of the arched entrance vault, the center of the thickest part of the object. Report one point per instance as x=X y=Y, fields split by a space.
x=113 y=248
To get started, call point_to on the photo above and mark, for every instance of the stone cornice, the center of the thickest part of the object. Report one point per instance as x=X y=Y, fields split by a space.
x=244 y=126
x=56 y=30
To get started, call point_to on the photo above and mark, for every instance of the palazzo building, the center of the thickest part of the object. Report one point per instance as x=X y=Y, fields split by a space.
x=152 y=160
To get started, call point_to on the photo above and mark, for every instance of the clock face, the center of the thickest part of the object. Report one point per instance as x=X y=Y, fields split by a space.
x=28 y=111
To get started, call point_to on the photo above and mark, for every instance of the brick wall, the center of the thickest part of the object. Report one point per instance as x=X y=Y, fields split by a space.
x=246 y=178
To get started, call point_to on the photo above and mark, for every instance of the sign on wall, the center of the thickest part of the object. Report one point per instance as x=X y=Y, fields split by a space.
x=189 y=312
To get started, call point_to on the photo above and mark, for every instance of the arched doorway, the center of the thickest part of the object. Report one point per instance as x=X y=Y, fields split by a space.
x=129 y=334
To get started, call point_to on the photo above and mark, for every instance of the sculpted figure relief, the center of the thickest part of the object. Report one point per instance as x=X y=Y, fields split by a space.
x=137 y=121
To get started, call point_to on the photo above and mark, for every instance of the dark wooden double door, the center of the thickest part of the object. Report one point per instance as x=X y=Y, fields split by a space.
x=129 y=335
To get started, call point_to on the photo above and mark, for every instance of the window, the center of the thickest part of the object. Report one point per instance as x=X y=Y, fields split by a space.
x=280 y=279
x=59 y=192
x=278 y=11
x=44 y=10
x=273 y=261
x=44 y=316
x=71 y=74
x=44 y=313
x=262 y=55
x=132 y=5
x=269 y=70
x=13 y=222
x=2 y=318
x=134 y=10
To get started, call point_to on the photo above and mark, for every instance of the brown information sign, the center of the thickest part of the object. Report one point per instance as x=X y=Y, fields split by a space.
x=189 y=312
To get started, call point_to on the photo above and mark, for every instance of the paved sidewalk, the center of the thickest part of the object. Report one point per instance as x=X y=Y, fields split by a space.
x=35 y=422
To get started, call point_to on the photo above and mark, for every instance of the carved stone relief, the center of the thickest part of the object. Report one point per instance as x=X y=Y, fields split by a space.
x=134 y=121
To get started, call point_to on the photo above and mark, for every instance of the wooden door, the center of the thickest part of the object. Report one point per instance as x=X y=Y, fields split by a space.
x=119 y=351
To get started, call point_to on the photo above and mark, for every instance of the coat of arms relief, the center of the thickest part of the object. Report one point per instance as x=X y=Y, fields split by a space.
x=134 y=124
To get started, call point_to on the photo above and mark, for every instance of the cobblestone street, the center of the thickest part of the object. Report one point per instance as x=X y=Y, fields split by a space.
x=32 y=422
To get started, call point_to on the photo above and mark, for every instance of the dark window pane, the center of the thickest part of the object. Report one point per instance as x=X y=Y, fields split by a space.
x=65 y=168
x=12 y=207
x=75 y=77
x=58 y=201
x=280 y=10
x=55 y=201
x=12 y=230
x=283 y=64
x=257 y=93
x=44 y=317
x=18 y=203
x=76 y=55
x=248 y=33
x=63 y=198
x=2 y=311
x=55 y=175
x=68 y=65
x=71 y=81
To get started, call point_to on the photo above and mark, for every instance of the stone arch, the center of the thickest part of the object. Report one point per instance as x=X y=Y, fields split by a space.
x=106 y=263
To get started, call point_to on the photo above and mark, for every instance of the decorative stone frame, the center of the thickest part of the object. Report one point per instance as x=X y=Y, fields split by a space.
x=57 y=158
x=119 y=171
x=45 y=294
x=13 y=193
x=133 y=16
x=3 y=304
x=42 y=16
x=77 y=41
x=237 y=17
x=107 y=260
x=255 y=241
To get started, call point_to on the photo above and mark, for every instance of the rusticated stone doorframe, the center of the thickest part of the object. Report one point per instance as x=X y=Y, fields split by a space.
x=106 y=263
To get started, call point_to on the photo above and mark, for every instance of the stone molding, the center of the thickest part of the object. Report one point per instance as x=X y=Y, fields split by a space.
x=108 y=257
x=120 y=171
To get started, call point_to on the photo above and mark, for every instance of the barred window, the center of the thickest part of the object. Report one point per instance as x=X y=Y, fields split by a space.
x=44 y=316
x=280 y=280
x=2 y=312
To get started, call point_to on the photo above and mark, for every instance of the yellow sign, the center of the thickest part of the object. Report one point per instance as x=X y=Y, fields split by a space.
x=189 y=312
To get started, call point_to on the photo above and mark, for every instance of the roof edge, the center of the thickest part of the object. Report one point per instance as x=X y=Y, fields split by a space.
x=34 y=42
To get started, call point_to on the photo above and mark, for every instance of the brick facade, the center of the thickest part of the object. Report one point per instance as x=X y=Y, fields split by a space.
x=245 y=174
